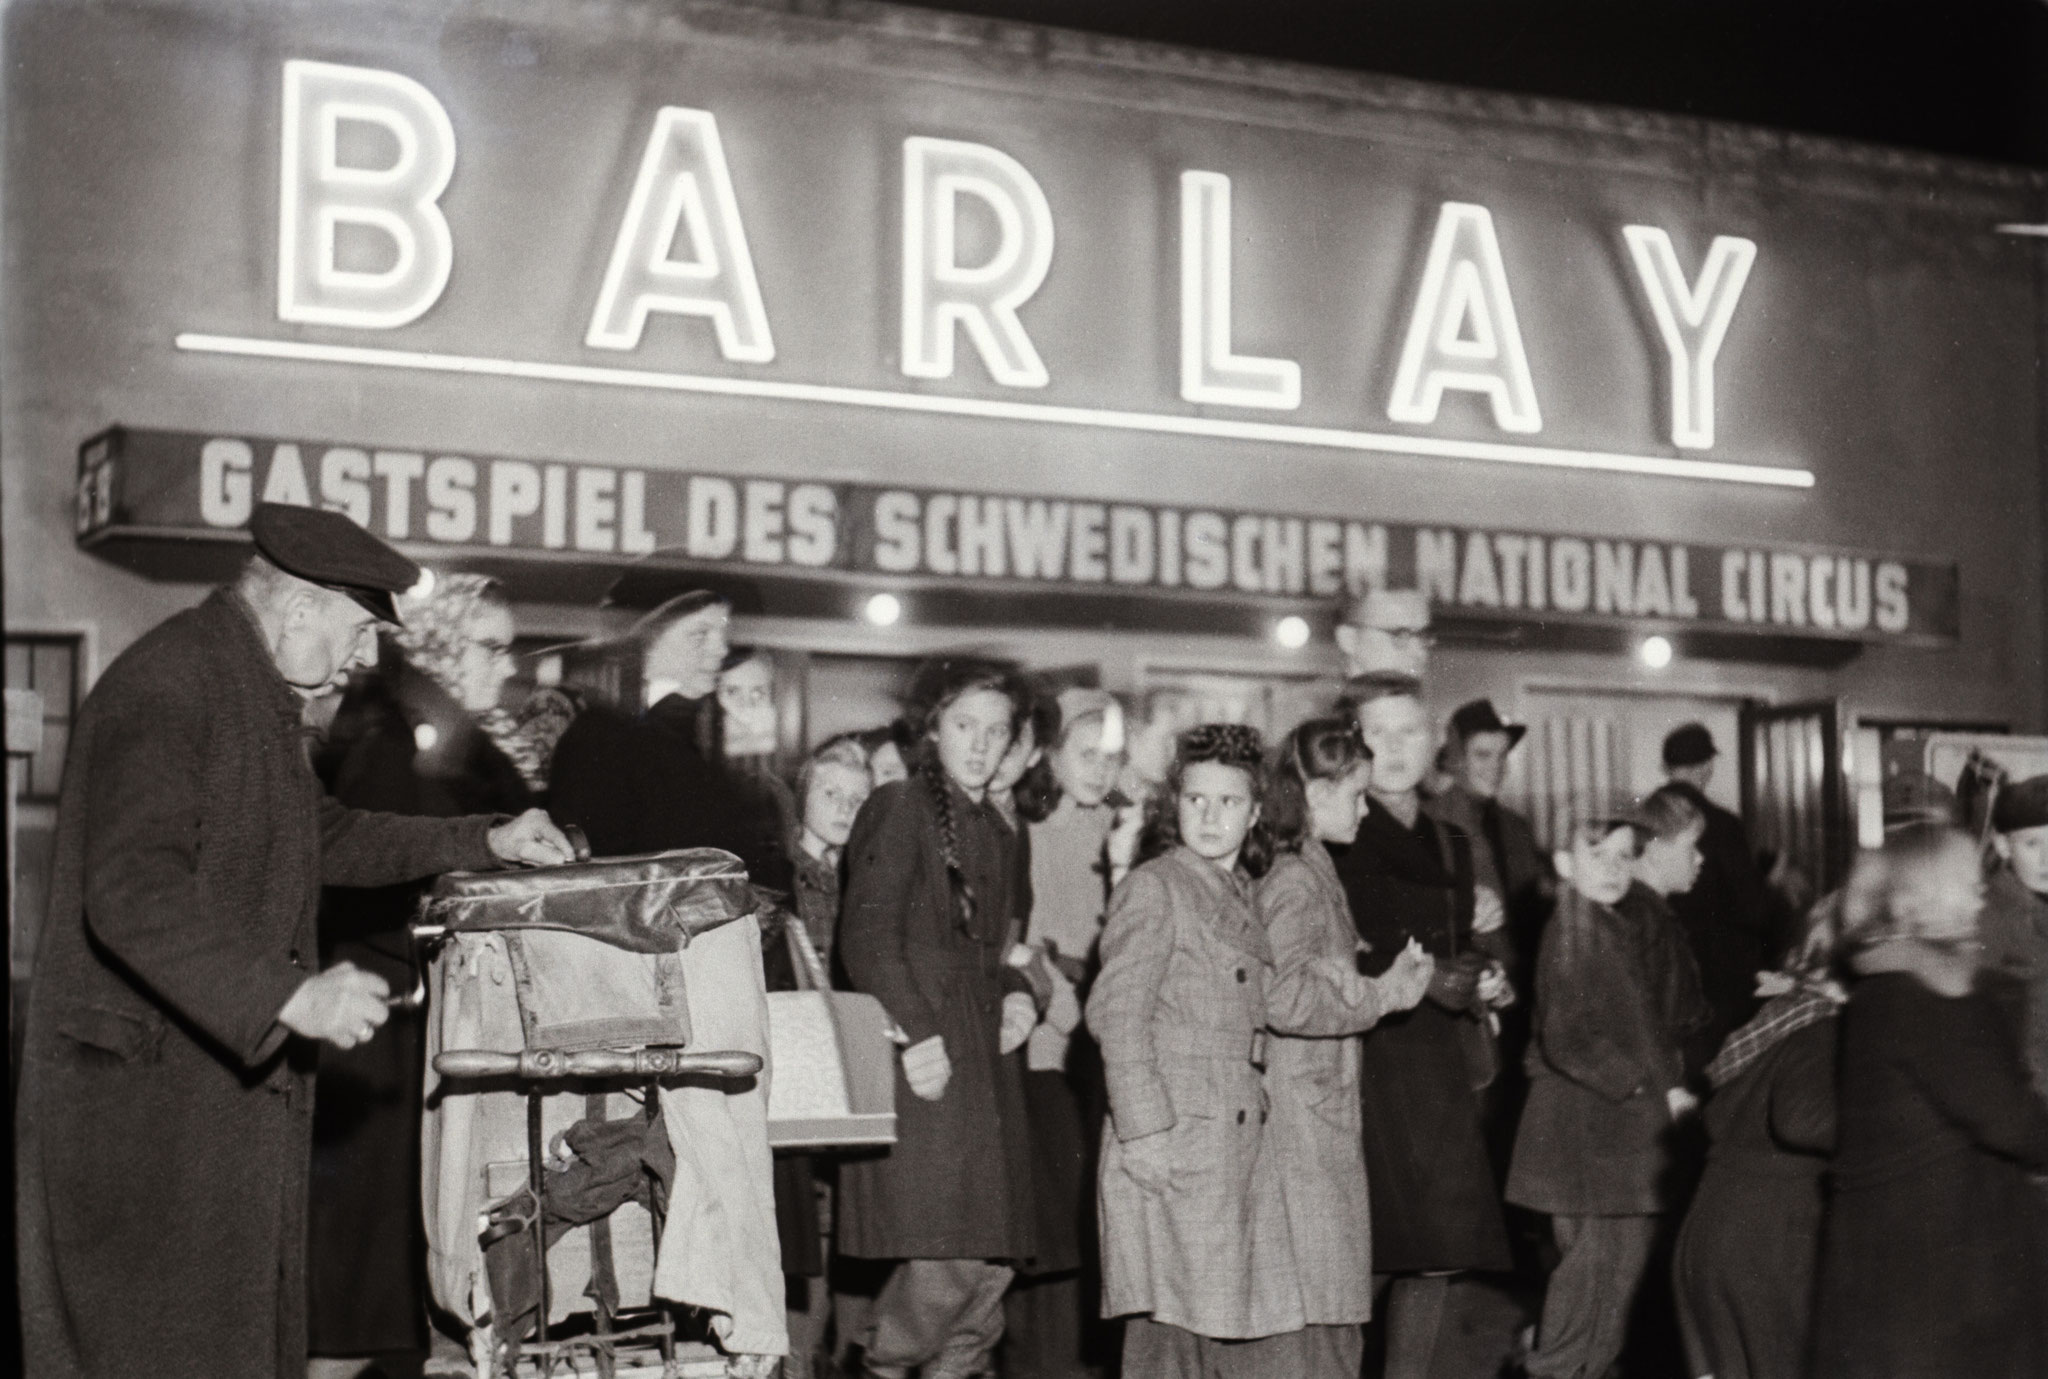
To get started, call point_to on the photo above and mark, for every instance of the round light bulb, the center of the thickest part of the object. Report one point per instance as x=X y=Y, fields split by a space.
x=423 y=587
x=425 y=736
x=1655 y=652
x=883 y=610
x=1291 y=632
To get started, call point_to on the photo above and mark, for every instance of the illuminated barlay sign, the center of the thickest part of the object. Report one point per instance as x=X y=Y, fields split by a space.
x=681 y=248
x=448 y=506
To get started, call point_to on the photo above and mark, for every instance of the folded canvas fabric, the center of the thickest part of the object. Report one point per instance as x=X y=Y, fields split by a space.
x=579 y=993
x=724 y=1187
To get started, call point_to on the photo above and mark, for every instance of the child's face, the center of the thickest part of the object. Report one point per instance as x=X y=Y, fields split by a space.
x=1021 y=757
x=1670 y=866
x=1216 y=810
x=972 y=734
x=1336 y=806
x=887 y=764
x=1396 y=728
x=1601 y=871
x=2027 y=850
x=1084 y=770
x=837 y=792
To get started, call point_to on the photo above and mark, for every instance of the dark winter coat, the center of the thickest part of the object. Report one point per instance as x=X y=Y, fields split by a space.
x=1616 y=994
x=1933 y=1258
x=650 y=782
x=367 y=1246
x=1434 y=1203
x=957 y=1184
x=654 y=782
x=1727 y=918
x=163 y=1122
x=1751 y=1243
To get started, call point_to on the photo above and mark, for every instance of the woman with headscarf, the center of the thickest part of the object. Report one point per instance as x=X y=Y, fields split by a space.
x=424 y=735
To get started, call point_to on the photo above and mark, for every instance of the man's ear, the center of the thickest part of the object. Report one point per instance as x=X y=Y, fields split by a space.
x=2003 y=846
x=1565 y=863
x=1347 y=640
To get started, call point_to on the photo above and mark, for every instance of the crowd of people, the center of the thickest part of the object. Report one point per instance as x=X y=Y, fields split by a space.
x=1243 y=1061
x=1202 y=1074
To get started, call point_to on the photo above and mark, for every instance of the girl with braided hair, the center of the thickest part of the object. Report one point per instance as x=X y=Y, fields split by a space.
x=1195 y=1244
x=935 y=896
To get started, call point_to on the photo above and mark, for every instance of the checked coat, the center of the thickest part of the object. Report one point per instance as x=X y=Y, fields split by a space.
x=1179 y=1010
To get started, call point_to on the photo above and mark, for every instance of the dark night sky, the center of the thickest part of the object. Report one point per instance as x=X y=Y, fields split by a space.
x=1966 y=77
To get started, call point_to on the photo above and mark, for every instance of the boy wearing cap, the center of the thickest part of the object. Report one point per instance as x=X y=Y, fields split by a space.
x=1606 y=1081
x=1727 y=913
x=2014 y=925
x=164 y=1117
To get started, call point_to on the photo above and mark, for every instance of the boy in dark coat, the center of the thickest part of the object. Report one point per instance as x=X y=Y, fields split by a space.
x=1615 y=994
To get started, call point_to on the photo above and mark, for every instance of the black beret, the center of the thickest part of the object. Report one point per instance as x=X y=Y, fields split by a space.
x=1689 y=745
x=327 y=549
x=2023 y=804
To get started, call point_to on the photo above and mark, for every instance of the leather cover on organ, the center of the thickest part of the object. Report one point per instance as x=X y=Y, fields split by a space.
x=649 y=903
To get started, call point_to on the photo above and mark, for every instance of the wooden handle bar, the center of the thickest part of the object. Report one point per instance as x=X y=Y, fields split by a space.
x=551 y=1063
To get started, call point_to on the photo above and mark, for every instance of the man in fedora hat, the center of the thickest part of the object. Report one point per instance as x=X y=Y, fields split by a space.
x=1506 y=859
x=164 y=1117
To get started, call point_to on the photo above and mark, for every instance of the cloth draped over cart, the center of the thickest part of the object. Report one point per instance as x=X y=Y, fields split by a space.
x=558 y=965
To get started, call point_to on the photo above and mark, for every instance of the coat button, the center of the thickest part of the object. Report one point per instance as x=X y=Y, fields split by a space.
x=1240 y=975
x=296 y=960
x=1240 y=1118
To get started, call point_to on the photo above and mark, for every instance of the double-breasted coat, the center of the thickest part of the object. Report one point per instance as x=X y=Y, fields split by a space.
x=164 y=1117
x=1179 y=1010
x=1317 y=1002
x=957 y=1184
x=1616 y=995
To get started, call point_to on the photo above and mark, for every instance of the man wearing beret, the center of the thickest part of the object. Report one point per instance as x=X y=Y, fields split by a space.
x=165 y=1107
x=2014 y=924
x=1727 y=913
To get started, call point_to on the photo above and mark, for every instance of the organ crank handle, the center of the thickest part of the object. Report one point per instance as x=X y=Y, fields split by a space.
x=540 y=1064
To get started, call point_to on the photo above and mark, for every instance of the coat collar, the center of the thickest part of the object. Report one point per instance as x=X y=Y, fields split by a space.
x=1229 y=913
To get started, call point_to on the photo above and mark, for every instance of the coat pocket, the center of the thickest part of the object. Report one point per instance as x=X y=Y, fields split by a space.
x=99 y=1033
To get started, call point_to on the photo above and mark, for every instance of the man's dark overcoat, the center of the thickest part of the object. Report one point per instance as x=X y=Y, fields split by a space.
x=164 y=1119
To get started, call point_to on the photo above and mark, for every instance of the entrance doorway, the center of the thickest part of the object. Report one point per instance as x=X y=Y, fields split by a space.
x=1598 y=748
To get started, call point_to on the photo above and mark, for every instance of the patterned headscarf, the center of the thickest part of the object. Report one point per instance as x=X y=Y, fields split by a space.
x=439 y=630
x=1803 y=992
